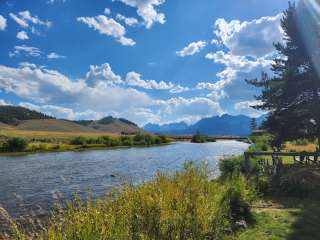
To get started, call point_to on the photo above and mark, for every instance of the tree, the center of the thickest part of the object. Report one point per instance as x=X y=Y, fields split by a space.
x=292 y=94
x=253 y=124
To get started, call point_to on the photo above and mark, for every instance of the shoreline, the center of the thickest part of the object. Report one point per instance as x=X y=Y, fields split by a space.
x=79 y=149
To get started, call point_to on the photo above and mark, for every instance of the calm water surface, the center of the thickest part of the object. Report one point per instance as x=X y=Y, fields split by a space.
x=33 y=183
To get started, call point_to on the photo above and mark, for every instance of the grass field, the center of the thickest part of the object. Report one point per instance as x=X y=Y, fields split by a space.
x=284 y=219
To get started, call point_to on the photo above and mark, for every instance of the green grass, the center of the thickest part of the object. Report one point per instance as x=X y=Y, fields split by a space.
x=284 y=219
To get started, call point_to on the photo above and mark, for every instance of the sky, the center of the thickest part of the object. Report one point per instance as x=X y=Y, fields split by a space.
x=150 y=61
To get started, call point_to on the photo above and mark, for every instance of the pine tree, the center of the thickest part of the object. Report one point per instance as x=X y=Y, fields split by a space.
x=291 y=95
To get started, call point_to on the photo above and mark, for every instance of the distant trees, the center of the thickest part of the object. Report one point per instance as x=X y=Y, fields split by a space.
x=13 y=114
x=292 y=94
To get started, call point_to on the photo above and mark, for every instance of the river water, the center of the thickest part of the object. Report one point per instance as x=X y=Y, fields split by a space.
x=33 y=183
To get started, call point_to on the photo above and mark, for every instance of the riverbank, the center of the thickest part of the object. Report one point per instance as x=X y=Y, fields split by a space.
x=14 y=146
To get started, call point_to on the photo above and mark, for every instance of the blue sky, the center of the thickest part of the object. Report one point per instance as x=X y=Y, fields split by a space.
x=154 y=61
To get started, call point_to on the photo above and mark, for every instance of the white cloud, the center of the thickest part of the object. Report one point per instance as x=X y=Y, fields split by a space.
x=102 y=73
x=49 y=87
x=54 y=55
x=146 y=10
x=246 y=104
x=107 y=11
x=192 y=49
x=108 y=26
x=189 y=110
x=130 y=21
x=63 y=112
x=3 y=102
x=26 y=20
x=134 y=79
x=3 y=23
x=254 y=38
x=22 y=35
x=26 y=50
x=231 y=80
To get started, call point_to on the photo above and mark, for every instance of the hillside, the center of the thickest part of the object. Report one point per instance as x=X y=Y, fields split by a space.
x=13 y=114
x=20 y=118
x=225 y=125
x=53 y=125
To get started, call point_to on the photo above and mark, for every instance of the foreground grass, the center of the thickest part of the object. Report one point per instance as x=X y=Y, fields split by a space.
x=186 y=205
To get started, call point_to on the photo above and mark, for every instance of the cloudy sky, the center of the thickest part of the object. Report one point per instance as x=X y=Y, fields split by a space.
x=153 y=61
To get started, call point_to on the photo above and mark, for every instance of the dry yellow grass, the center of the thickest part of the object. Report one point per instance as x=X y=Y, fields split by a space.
x=311 y=147
x=12 y=132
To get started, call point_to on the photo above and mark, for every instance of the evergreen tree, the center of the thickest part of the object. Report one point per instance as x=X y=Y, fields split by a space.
x=291 y=95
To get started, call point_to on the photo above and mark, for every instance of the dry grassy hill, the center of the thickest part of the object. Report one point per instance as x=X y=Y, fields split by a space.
x=53 y=125
x=22 y=119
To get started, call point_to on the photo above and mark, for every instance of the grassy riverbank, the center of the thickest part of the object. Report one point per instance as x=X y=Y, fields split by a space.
x=22 y=145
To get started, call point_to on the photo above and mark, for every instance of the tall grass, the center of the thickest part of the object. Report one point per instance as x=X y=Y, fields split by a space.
x=186 y=205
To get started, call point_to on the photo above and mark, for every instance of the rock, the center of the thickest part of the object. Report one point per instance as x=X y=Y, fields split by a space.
x=241 y=224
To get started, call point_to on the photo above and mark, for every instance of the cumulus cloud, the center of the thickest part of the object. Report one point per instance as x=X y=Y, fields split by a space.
x=3 y=23
x=54 y=55
x=192 y=49
x=250 y=38
x=188 y=110
x=102 y=73
x=134 y=79
x=49 y=87
x=146 y=9
x=22 y=35
x=25 y=20
x=130 y=21
x=108 y=26
x=231 y=80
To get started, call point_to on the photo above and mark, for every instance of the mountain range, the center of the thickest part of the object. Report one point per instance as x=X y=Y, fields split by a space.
x=225 y=125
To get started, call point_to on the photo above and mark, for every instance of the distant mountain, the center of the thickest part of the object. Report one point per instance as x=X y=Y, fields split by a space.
x=172 y=128
x=14 y=114
x=25 y=119
x=225 y=125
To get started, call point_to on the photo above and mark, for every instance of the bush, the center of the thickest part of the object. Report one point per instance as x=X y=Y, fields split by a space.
x=78 y=141
x=126 y=141
x=15 y=144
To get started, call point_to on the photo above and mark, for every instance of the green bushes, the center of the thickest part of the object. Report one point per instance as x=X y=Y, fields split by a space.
x=186 y=205
x=15 y=145
x=140 y=139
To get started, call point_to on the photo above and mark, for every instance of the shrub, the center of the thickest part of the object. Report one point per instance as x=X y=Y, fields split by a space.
x=15 y=144
x=78 y=141
x=126 y=141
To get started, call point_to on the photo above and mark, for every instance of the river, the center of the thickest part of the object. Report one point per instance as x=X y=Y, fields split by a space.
x=33 y=183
